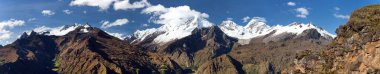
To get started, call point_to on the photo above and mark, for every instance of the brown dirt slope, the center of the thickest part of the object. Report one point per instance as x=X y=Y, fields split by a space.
x=354 y=50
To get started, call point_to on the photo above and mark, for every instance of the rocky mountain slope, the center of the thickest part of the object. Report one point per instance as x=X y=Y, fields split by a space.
x=253 y=45
x=29 y=54
x=221 y=65
x=82 y=50
x=353 y=51
x=194 y=46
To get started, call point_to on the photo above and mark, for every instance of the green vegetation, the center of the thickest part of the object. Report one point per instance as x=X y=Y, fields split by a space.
x=251 y=69
x=302 y=54
x=364 y=21
x=163 y=69
x=55 y=69
x=333 y=43
x=137 y=71
x=2 y=62
x=56 y=65
x=190 y=69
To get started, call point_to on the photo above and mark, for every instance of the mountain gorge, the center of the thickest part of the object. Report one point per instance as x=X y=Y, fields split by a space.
x=200 y=47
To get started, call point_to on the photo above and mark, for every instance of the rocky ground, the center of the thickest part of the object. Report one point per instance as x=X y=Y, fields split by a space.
x=353 y=51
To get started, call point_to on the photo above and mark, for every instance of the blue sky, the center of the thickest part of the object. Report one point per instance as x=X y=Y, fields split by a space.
x=328 y=14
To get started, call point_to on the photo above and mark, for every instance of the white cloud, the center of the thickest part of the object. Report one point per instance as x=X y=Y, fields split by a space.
x=32 y=19
x=11 y=23
x=5 y=35
x=302 y=12
x=118 y=22
x=47 y=12
x=102 y=4
x=117 y=4
x=177 y=22
x=67 y=11
x=84 y=12
x=175 y=15
x=58 y=31
x=158 y=9
x=43 y=29
x=5 y=25
x=340 y=16
x=245 y=19
x=117 y=35
x=125 y=4
x=145 y=25
x=336 y=8
x=259 y=19
x=291 y=4
x=230 y=18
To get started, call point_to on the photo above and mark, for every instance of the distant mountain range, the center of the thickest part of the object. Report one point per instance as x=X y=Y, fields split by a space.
x=200 y=47
x=253 y=29
x=192 y=47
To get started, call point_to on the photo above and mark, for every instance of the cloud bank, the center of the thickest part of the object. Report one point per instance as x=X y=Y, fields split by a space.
x=118 y=22
x=106 y=4
x=47 y=12
x=302 y=12
x=9 y=24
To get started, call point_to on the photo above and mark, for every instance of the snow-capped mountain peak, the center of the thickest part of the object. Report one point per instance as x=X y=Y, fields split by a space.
x=255 y=23
x=298 y=28
x=63 y=30
x=169 y=32
x=231 y=26
x=256 y=28
x=253 y=29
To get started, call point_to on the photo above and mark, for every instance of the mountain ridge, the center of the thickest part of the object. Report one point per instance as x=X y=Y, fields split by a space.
x=84 y=49
x=253 y=29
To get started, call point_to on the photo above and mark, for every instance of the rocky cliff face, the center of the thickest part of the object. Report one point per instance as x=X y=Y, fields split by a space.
x=354 y=50
x=228 y=48
x=202 y=45
x=257 y=47
x=97 y=52
x=277 y=54
x=29 y=54
x=221 y=65
x=83 y=50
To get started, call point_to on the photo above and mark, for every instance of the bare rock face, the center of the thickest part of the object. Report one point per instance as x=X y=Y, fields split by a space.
x=165 y=65
x=355 y=50
x=203 y=45
x=93 y=52
x=98 y=52
x=29 y=54
x=207 y=50
x=189 y=52
x=221 y=65
x=276 y=55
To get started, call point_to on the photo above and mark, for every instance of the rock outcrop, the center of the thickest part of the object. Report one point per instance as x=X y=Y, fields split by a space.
x=354 y=51
x=30 y=54
x=97 y=52
x=83 y=50
x=277 y=54
x=221 y=65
